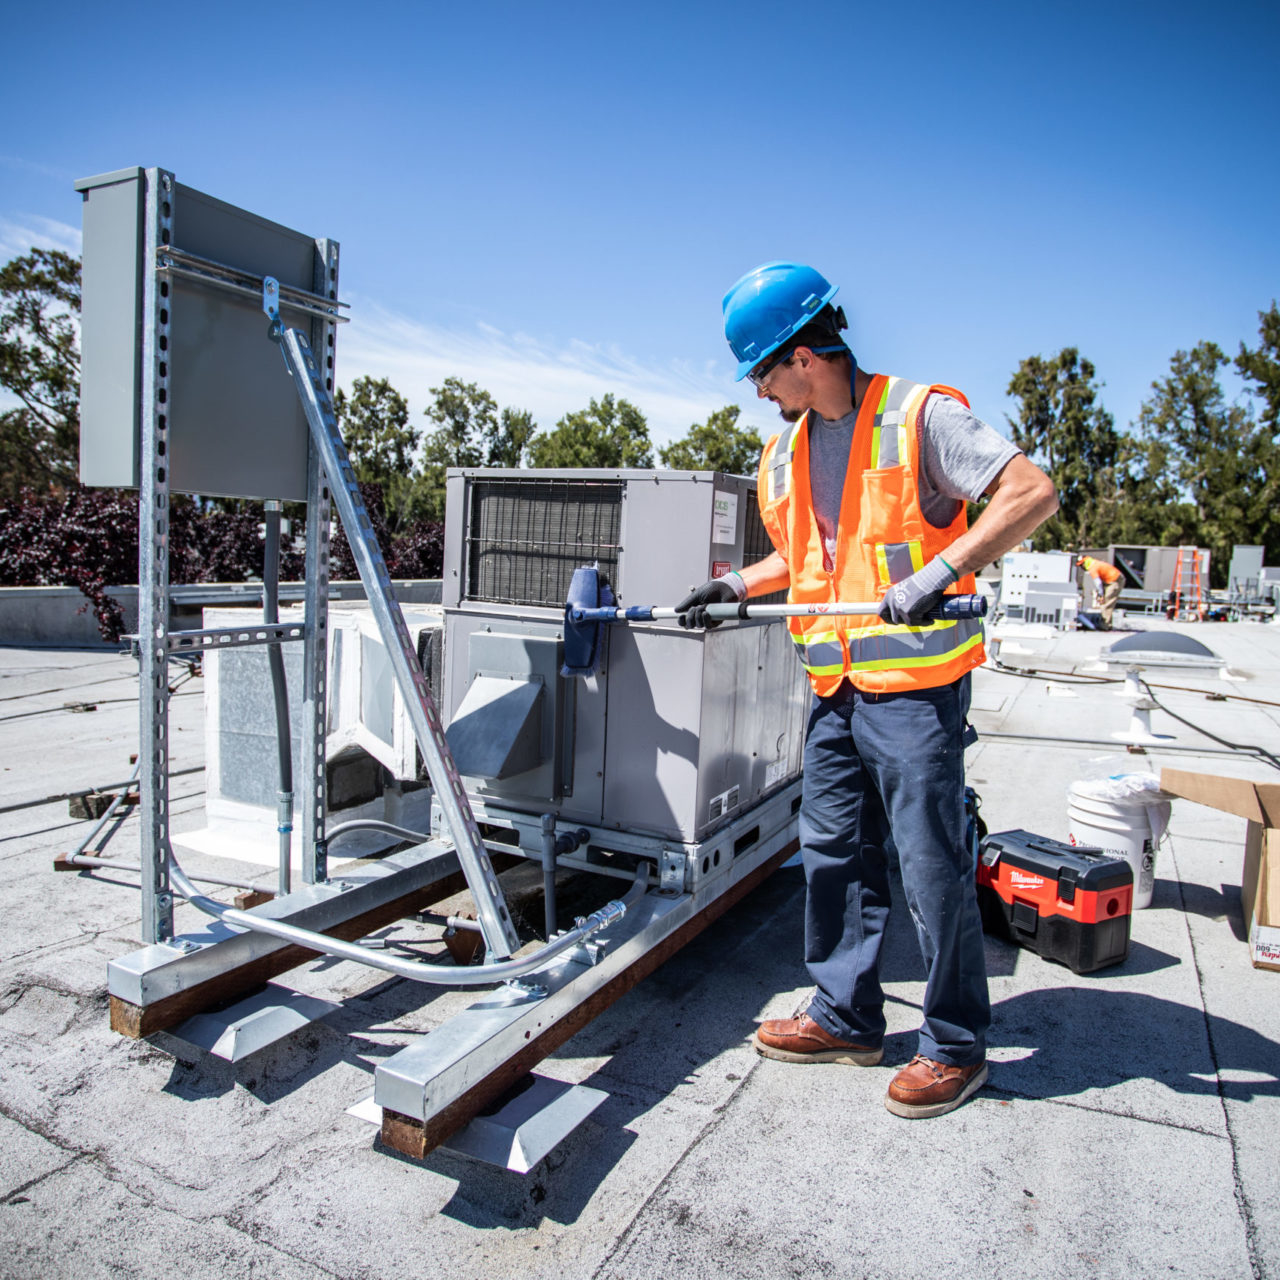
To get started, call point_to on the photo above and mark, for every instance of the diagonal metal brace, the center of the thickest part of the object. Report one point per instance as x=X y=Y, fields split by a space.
x=494 y=918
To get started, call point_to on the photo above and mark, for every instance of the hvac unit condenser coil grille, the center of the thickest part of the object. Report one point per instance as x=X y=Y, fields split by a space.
x=755 y=537
x=756 y=545
x=526 y=537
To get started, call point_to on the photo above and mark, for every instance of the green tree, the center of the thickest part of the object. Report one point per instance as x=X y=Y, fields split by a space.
x=1261 y=367
x=40 y=366
x=1062 y=427
x=509 y=445
x=1211 y=454
x=470 y=432
x=374 y=421
x=1261 y=370
x=375 y=428
x=1144 y=506
x=609 y=433
x=466 y=417
x=718 y=444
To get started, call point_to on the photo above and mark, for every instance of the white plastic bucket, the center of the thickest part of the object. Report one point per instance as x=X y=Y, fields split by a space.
x=1128 y=829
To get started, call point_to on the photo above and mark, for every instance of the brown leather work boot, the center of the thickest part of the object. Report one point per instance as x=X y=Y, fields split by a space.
x=803 y=1040
x=926 y=1088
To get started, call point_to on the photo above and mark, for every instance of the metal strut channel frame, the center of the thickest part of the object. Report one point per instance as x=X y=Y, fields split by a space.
x=430 y=1089
x=155 y=642
x=211 y=960
x=218 y=275
x=232 y=637
x=495 y=920
x=153 y=569
x=312 y=779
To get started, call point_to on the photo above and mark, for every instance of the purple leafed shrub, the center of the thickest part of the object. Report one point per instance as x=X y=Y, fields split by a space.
x=88 y=538
x=418 y=553
x=342 y=564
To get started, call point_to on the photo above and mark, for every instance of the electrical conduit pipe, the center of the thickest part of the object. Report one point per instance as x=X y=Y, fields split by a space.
x=415 y=970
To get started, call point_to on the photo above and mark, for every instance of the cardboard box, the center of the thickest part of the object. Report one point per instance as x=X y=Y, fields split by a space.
x=1259 y=802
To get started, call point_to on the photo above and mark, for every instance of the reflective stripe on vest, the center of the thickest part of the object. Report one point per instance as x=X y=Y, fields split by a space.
x=873 y=648
x=888 y=646
x=780 y=464
x=894 y=414
x=820 y=655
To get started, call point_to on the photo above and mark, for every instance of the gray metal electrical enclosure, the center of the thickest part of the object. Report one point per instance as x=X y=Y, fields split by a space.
x=680 y=731
x=232 y=436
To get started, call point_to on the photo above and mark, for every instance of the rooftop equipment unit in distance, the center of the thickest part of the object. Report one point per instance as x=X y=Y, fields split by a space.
x=1031 y=571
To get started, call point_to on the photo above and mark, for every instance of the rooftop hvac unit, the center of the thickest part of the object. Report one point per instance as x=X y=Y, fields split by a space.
x=1151 y=569
x=366 y=710
x=1051 y=603
x=367 y=732
x=679 y=731
x=1244 y=574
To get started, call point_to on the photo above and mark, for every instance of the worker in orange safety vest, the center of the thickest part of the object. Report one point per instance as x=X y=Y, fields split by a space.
x=863 y=495
x=1108 y=579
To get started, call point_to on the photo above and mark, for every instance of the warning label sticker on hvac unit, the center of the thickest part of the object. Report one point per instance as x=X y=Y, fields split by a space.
x=721 y=804
x=724 y=517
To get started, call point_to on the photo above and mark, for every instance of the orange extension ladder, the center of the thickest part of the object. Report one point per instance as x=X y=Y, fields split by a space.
x=1186 y=581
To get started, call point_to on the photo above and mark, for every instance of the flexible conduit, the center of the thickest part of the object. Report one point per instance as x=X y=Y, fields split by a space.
x=414 y=970
x=375 y=824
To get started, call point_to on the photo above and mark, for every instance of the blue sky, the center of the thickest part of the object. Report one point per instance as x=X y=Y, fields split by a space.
x=551 y=199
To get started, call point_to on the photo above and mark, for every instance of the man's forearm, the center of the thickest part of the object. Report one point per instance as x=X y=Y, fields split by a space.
x=1022 y=499
x=766 y=576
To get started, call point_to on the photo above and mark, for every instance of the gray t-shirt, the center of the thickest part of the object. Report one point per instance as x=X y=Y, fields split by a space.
x=960 y=455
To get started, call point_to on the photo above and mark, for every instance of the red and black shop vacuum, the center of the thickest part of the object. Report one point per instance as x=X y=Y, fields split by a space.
x=1072 y=904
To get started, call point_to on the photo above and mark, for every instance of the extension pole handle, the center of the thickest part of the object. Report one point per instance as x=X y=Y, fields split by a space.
x=951 y=608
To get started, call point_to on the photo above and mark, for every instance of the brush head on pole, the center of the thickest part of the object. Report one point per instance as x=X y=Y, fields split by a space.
x=584 y=641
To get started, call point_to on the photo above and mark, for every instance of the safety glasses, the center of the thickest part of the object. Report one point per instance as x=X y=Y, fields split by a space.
x=760 y=374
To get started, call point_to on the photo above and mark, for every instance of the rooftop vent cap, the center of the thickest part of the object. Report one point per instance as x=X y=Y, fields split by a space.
x=1161 y=649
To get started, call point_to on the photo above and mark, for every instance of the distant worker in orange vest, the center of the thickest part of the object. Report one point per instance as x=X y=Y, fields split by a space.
x=863 y=495
x=1108 y=578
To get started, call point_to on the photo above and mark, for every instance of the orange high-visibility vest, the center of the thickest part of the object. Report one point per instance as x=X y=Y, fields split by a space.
x=1100 y=569
x=883 y=537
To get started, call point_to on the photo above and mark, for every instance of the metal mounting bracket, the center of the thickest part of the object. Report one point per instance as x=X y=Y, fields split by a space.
x=671 y=869
x=271 y=300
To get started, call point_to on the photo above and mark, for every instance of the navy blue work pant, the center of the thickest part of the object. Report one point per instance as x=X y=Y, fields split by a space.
x=886 y=771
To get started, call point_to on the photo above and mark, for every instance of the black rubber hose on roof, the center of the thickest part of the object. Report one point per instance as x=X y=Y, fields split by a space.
x=1261 y=752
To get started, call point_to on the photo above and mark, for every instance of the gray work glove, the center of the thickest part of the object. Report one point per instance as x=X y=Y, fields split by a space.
x=724 y=590
x=909 y=602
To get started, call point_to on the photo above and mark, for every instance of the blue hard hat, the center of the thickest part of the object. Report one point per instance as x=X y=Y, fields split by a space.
x=767 y=306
